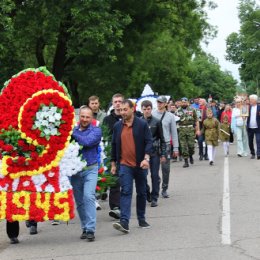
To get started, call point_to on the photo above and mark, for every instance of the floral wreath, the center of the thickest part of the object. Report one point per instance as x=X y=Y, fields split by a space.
x=36 y=156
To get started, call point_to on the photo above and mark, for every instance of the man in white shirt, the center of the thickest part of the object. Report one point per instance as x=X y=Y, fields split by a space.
x=253 y=126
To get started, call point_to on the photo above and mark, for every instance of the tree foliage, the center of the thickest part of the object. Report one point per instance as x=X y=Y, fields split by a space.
x=104 y=47
x=243 y=48
x=210 y=80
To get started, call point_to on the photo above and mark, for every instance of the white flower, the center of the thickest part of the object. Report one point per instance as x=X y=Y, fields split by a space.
x=53 y=109
x=45 y=108
x=44 y=123
x=51 y=119
x=26 y=183
x=38 y=180
x=51 y=174
x=15 y=184
x=48 y=120
x=47 y=131
x=57 y=116
x=71 y=163
x=54 y=131
x=49 y=188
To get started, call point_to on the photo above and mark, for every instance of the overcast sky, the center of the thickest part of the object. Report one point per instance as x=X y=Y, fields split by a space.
x=225 y=17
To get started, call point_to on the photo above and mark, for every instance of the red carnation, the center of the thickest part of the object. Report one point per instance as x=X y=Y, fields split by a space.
x=8 y=148
x=101 y=170
x=21 y=160
x=103 y=179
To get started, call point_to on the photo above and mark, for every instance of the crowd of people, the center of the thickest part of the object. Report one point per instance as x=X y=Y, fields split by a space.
x=151 y=140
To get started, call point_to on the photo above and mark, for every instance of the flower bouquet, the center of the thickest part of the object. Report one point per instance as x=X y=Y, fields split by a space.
x=36 y=156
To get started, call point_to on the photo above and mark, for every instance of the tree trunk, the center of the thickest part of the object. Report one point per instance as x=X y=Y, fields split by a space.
x=61 y=50
x=39 y=51
x=73 y=85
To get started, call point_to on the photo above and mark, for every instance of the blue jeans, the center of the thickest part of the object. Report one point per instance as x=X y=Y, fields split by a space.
x=127 y=175
x=154 y=169
x=84 y=188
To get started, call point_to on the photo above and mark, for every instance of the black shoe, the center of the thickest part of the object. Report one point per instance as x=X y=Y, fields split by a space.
x=103 y=196
x=252 y=157
x=14 y=240
x=121 y=226
x=165 y=194
x=149 y=197
x=258 y=157
x=186 y=164
x=201 y=157
x=27 y=223
x=211 y=163
x=191 y=160
x=239 y=155
x=143 y=224
x=154 y=203
x=206 y=158
x=114 y=213
x=83 y=235
x=33 y=230
x=90 y=236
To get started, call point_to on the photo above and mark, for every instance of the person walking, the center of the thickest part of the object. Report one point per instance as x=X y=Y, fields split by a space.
x=253 y=126
x=211 y=131
x=188 y=121
x=130 y=156
x=238 y=127
x=158 y=152
x=84 y=182
x=224 y=134
x=110 y=121
x=170 y=134
x=201 y=136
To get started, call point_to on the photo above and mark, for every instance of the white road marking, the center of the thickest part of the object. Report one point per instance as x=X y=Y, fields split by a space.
x=226 y=229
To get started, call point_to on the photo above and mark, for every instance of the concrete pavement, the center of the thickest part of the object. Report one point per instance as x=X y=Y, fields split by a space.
x=186 y=226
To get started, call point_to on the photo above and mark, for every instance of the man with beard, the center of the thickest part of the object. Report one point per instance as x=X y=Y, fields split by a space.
x=188 y=120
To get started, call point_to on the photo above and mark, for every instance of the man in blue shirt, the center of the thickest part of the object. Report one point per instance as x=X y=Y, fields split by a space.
x=84 y=182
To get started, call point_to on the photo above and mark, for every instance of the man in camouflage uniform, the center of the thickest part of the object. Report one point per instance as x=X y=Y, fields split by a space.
x=188 y=121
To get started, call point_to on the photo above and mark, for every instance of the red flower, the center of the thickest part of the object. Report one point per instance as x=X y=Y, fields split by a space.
x=101 y=170
x=8 y=148
x=21 y=142
x=21 y=160
x=103 y=179
x=98 y=188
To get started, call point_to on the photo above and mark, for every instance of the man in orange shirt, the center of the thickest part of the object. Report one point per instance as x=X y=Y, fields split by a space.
x=131 y=149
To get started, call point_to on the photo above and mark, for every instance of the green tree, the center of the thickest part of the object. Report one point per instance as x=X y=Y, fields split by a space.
x=208 y=78
x=108 y=46
x=58 y=34
x=243 y=48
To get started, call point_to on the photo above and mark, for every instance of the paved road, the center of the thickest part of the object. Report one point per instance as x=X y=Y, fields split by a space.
x=188 y=225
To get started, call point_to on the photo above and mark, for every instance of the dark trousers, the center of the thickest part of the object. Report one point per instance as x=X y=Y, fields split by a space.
x=114 y=195
x=251 y=133
x=200 y=143
x=154 y=169
x=127 y=176
x=12 y=229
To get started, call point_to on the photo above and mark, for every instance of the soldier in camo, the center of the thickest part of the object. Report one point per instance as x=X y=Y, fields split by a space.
x=188 y=123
